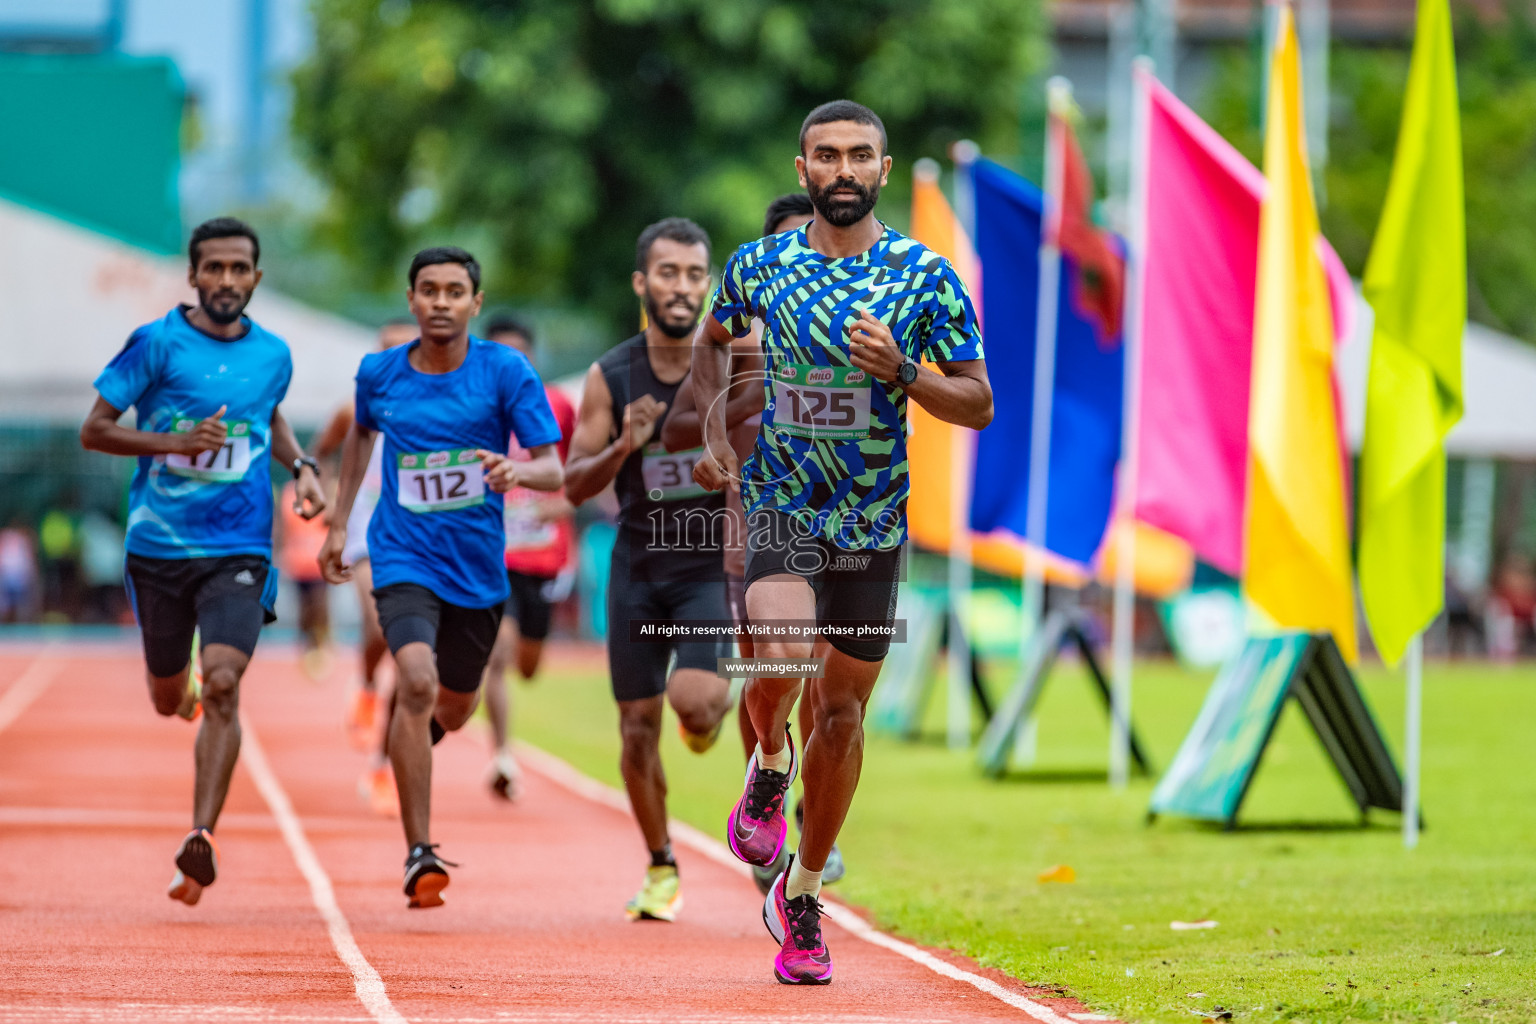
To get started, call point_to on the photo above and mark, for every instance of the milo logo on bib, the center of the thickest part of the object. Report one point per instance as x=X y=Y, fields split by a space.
x=832 y=403
x=440 y=481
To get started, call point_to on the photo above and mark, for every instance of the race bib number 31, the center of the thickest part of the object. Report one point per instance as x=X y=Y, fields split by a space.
x=821 y=401
x=224 y=465
x=441 y=481
x=668 y=475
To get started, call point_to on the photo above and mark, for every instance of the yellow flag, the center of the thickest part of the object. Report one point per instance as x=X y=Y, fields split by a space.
x=1296 y=543
x=1416 y=281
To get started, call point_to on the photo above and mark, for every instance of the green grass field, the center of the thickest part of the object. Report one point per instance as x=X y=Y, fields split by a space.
x=1319 y=919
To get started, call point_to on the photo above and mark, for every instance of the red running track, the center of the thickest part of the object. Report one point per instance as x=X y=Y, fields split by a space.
x=95 y=792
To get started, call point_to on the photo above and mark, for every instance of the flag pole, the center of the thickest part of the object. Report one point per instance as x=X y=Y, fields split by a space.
x=1059 y=98
x=1059 y=92
x=1412 y=729
x=1123 y=642
x=961 y=573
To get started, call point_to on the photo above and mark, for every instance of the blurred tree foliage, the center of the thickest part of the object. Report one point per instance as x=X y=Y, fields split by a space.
x=1494 y=59
x=549 y=132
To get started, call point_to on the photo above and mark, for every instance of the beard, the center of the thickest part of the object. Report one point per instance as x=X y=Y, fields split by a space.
x=841 y=213
x=223 y=307
x=671 y=328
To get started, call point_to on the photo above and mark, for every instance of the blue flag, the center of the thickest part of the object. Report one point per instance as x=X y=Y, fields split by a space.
x=1086 y=408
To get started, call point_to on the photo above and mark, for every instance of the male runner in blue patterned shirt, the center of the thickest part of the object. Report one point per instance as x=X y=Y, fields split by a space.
x=849 y=308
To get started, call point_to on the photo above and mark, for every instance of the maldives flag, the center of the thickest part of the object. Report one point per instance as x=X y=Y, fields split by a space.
x=1099 y=289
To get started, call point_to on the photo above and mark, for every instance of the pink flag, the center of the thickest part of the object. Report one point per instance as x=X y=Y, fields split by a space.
x=1201 y=245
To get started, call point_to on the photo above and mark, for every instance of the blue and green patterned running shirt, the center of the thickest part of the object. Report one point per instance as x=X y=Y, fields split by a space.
x=832 y=448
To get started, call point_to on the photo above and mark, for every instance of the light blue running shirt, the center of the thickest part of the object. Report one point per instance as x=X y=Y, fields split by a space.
x=437 y=525
x=218 y=503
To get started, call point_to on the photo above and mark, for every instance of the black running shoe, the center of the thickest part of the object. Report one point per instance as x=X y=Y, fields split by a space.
x=197 y=865
x=426 y=876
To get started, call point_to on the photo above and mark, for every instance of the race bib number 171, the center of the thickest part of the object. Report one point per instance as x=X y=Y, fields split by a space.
x=223 y=465
x=440 y=481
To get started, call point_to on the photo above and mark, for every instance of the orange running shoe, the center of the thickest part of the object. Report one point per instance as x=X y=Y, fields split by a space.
x=377 y=790
x=363 y=718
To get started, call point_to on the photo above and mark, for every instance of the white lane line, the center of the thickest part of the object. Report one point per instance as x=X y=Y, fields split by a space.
x=26 y=689
x=562 y=773
x=366 y=980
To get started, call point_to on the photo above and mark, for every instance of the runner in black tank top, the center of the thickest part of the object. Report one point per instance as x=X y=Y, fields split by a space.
x=673 y=528
x=667 y=560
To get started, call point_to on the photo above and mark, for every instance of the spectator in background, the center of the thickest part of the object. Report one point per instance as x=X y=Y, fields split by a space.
x=1512 y=608
x=101 y=567
x=60 y=546
x=18 y=573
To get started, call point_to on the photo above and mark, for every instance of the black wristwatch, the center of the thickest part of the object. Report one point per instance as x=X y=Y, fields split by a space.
x=302 y=461
x=907 y=374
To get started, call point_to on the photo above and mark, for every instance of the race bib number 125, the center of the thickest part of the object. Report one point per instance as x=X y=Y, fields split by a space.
x=441 y=481
x=821 y=401
x=223 y=465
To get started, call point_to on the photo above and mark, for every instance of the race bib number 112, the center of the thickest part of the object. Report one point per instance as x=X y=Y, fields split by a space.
x=440 y=481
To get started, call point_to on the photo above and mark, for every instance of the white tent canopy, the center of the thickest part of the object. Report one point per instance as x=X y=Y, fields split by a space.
x=69 y=298
x=1499 y=388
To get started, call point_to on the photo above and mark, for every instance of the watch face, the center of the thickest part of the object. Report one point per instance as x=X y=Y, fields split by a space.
x=908 y=372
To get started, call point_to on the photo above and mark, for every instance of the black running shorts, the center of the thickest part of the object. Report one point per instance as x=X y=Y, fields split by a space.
x=461 y=638
x=853 y=588
x=227 y=600
x=638 y=669
x=527 y=604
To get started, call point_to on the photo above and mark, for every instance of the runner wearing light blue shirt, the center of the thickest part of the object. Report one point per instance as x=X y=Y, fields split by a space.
x=205 y=382
x=446 y=405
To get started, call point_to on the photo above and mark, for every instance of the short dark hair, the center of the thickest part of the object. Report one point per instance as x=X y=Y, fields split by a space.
x=507 y=323
x=223 y=227
x=795 y=204
x=446 y=254
x=842 y=110
x=676 y=229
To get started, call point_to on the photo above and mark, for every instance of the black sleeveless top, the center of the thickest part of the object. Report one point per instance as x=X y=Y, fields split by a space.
x=663 y=514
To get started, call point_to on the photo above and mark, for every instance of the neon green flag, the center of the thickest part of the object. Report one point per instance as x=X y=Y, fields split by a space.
x=1416 y=281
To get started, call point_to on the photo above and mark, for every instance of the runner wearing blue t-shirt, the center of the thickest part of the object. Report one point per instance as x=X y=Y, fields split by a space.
x=446 y=405
x=205 y=382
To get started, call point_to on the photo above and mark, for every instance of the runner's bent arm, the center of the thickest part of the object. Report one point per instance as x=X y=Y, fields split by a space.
x=308 y=495
x=102 y=433
x=355 y=451
x=963 y=395
x=541 y=472
x=334 y=434
x=711 y=365
x=597 y=450
x=682 y=431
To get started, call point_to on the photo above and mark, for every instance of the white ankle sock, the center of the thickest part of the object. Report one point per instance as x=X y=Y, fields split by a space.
x=801 y=881
x=779 y=762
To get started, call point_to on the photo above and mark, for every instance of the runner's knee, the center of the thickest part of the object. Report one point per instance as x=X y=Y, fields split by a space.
x=699 y=716
x=453 y=709
x=800 y=649
x=166 y=692
x=416 y=687
x=639 y=728
x=221 y=692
